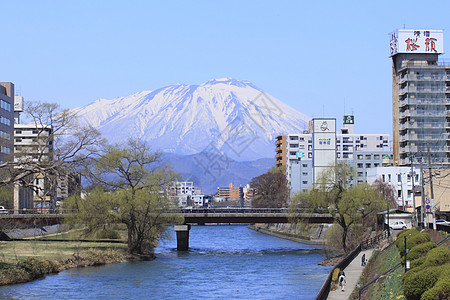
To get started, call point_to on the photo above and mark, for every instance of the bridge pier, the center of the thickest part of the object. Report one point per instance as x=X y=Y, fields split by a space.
x=182 y=236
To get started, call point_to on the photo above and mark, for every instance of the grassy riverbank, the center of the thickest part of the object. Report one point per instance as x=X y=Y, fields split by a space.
x=388 y=286
x=26 y=260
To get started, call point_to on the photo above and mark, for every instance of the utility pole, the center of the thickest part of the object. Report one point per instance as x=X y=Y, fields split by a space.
x=431 y=186
x=411 y=158
x=422 y=209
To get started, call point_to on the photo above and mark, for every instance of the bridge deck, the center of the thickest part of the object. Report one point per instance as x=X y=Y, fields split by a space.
x=195 y=216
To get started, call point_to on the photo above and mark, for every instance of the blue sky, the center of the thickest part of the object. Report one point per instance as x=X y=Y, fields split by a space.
x=316 y=56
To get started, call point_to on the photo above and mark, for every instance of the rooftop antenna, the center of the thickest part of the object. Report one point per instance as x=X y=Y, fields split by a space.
x=344 y=106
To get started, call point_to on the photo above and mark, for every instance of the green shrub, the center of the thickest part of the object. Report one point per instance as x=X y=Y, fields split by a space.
x=38 y=267
x=95 y=257
x=417 y=262
x=437 y=256
x=413 y=240
x=441 y=290
x=13 y=274
x=108 y=233
x=420 y=250
x=403 y=233
x=417 y=283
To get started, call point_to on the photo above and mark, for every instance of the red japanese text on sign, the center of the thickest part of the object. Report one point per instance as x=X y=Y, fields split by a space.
x=430 y=44
x=411 y=44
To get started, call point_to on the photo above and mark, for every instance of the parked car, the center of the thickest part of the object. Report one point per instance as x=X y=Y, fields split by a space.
x=3 y=210
x=398 y=225
x=442 y=222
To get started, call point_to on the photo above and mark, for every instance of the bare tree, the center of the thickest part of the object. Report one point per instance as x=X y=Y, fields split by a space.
x=130 y=185
x=59 y=145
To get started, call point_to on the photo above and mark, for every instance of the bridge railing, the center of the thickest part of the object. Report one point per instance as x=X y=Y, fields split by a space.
x=213 y=210
x=245 y=210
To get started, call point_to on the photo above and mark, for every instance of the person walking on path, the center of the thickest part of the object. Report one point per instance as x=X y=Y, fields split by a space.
x=363 y=260
x=342 y=280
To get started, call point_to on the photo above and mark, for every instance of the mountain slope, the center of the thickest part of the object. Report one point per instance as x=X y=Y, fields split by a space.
x=222 y=118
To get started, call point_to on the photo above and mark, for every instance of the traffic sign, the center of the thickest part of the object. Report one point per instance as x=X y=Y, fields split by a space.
x=427 y=206
x=299 y=154
x=427 y=201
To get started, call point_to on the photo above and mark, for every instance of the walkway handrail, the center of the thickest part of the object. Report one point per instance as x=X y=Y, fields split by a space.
x=361 y=290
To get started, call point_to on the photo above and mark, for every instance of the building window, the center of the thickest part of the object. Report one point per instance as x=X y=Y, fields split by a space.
x=368 y=156
x=305 y=182
x=359 y=165
x=309 y=155
x=369 y=165
x=359 y=156
x=376 y=156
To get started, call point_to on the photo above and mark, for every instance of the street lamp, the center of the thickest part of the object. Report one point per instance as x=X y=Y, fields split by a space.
x=406 y=252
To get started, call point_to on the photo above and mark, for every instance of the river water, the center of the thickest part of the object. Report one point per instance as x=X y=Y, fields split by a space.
x=224 y=262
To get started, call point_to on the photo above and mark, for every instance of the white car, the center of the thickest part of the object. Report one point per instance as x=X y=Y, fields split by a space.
x=442 y=222
x=398 y=225
x=3 y=210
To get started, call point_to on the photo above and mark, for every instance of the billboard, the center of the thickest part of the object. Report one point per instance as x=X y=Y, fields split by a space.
x=324 y=145
x=18 y=103
x=417 y=41
x=349 y=120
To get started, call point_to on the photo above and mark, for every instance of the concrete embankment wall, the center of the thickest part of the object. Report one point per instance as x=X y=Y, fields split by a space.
x=314 y=235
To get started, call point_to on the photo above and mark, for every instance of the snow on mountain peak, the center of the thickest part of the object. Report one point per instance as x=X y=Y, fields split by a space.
x=225 y=115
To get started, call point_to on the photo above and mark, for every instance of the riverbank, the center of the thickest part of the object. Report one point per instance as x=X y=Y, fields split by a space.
x=285 y=231
x=33 y=253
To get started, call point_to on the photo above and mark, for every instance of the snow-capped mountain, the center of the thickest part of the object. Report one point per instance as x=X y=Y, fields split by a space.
x=220 y=117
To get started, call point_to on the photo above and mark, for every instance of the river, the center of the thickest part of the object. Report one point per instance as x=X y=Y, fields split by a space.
x=224 y=262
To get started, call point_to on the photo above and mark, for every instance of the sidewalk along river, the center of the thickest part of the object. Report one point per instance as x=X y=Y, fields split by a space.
x=224 y=262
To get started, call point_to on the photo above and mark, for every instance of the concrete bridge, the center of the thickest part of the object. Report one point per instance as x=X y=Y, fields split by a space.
x=196 y=216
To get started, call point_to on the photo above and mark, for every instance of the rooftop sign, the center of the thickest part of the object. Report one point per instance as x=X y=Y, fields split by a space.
x=417 y=41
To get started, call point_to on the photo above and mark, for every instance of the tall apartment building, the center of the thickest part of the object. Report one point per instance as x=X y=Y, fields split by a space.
x=34 y=143
x=230 y=193
x=294 y=152
x=6 y=120
x=420 y=97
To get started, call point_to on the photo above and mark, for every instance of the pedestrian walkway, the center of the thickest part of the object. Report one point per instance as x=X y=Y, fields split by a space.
x=352 y=274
